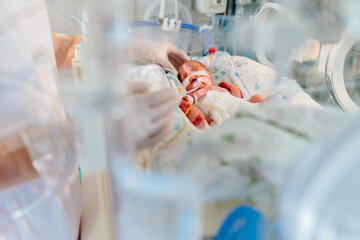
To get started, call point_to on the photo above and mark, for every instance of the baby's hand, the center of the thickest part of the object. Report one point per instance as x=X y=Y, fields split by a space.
x=235 y=91
x=195 y=115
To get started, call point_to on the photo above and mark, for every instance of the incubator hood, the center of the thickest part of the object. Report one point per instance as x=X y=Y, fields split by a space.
x=277 y=34
x=321 y=200
x=342 y=71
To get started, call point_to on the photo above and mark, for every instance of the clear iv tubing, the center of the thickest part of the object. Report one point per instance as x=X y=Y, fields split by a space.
x=196 y=88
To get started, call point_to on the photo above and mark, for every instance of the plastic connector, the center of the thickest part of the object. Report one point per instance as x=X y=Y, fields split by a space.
x=171 y=25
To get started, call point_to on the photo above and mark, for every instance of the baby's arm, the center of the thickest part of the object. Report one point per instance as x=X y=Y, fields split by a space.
x=195 y=116
x=64 y=49
x=235 y=91
x=15 y=163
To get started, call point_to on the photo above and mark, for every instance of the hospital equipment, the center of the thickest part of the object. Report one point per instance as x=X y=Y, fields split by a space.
x=341 y=71
x=212 y=6
x=41 y=136
x=175 y=83
x=304 y=49
x=328 y=88
x=244 y=222
x=193 y=39
x=31 y=111
x=109 y=124
x=234 y=31
x=99 y=104
x=327 y=74
x=158 y=207
x=321 y=200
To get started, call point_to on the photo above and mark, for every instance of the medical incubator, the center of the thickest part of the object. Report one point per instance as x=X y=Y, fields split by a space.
x=286 y=168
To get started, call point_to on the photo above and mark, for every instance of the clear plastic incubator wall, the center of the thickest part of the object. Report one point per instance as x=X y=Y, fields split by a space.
x=264 y=143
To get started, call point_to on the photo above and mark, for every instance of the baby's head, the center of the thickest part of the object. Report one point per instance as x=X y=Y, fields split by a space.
x=189 y=70
x=190 y=67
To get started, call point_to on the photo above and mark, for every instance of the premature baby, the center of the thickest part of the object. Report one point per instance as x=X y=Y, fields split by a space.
x=212 y=103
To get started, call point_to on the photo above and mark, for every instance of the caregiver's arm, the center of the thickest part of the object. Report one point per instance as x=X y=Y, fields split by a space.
x=64 y=49
x=19 y=152
x=15 y=163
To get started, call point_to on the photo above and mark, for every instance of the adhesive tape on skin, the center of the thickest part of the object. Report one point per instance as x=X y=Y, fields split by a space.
x=205 y=80
x=190 y=99
x=194 y=88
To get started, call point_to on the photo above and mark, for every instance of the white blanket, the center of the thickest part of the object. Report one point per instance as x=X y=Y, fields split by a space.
x=254 y=78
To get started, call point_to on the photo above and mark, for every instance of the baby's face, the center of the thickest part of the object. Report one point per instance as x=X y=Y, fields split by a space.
x=190 y=67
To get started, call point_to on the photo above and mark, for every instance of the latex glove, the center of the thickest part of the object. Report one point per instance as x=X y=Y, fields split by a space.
x=152 y=112
x=164 y=53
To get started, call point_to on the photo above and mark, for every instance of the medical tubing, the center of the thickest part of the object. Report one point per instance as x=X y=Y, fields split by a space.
x=187 y=92
x=206 y=104
x=239 y=9
x=144 y=164
x=162 y=9
x=176 y=9
x=138 y=24
x=222 y=20
x=171 y=80
x=155 y=24
x=196 y=88
x=208 y=37
x=171 y=75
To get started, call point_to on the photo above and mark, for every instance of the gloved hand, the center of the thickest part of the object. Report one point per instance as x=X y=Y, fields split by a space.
x=164 y=53
x=152 y=112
